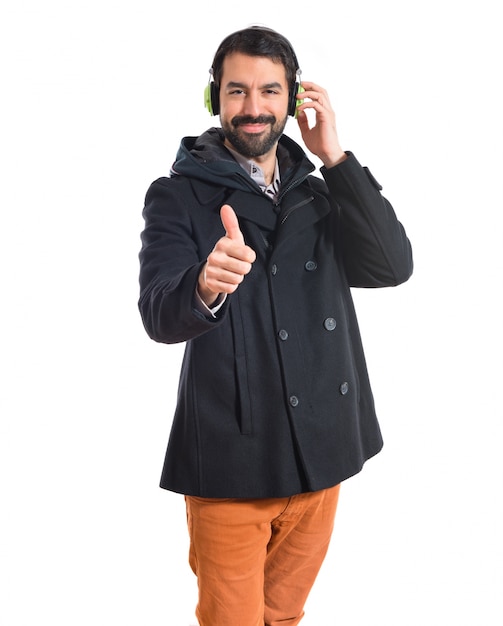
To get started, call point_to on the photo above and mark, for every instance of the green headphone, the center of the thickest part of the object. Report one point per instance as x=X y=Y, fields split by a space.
x=212 y=97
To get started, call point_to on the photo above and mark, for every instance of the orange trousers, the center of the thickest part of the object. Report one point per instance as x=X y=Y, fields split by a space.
x=256 y=560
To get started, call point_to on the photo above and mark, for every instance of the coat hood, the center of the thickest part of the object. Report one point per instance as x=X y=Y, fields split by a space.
x=206 y=158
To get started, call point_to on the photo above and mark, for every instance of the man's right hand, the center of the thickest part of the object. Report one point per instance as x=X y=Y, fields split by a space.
x=228 y=263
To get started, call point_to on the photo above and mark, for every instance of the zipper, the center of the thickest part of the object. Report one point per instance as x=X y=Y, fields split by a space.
x=294 y=183
x=295 y=207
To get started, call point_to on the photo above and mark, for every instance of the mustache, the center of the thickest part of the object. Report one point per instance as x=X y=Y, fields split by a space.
x=248 y=119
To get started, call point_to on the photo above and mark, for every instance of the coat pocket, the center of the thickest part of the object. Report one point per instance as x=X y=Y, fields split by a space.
x=243 y=408
x=244 y=399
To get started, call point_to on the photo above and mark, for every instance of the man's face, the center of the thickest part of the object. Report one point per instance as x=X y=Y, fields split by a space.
x=253 y=103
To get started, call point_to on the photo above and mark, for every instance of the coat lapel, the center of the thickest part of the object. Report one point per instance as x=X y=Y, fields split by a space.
x=297 y=211
x=255 y=208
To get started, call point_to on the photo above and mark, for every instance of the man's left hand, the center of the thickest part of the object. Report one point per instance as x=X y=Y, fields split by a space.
x=321 y=139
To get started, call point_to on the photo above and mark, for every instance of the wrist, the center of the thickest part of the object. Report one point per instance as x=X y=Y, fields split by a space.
x=208 y=296
x=334 y=159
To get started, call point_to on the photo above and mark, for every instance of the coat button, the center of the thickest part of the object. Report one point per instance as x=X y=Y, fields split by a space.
x=274 y=269
x=283 y=334
x=330 y=323
x=294 y=401
x=344 y=388
x=310 y=266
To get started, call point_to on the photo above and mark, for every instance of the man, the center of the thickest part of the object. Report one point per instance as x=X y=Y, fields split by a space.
x=249 y=258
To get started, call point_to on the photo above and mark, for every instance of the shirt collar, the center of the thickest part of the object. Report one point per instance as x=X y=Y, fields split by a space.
x=255 y=172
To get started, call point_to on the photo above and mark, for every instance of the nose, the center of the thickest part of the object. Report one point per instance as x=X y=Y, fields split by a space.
x=251 y=105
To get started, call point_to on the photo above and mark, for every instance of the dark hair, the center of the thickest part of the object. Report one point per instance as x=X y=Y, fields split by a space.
x=257 y=41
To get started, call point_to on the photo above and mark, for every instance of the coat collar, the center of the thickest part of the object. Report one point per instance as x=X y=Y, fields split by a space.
x=216 y=177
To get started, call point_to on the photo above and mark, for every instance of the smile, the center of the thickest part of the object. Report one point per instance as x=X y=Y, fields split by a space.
x=253 y=128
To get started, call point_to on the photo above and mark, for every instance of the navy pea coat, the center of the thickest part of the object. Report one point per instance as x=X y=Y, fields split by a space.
x=274 y=396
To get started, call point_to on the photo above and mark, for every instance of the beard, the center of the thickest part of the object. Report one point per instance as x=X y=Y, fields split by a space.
x=252 y=145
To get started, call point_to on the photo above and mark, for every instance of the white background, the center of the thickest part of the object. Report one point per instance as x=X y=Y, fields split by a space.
x=96 y=96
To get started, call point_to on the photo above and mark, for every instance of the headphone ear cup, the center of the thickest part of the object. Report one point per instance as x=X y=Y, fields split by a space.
x=207 y=99
x=211 y=98
x=294 y=103
x=215 y=98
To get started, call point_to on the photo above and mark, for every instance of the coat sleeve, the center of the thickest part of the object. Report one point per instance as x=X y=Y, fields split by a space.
x=376 y=251
x=171 y=259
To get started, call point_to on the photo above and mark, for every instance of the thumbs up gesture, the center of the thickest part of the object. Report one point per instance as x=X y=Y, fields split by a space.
x=229 y=261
